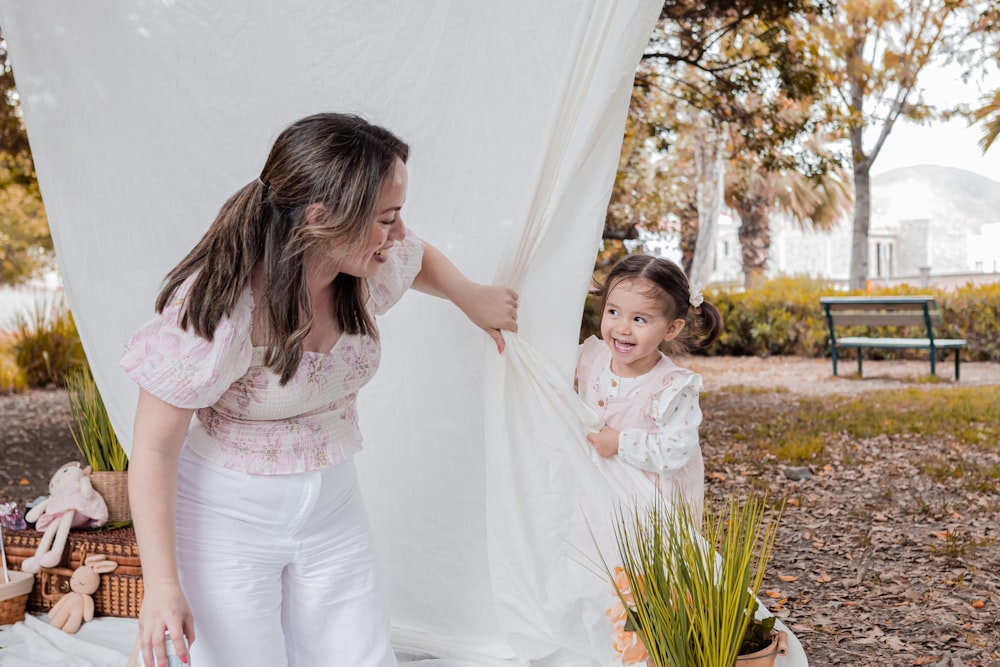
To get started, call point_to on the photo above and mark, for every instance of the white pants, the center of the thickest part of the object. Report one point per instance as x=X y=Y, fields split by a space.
x=279 y=569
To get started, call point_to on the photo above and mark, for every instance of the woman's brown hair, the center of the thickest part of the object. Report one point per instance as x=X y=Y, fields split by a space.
x=338 y=160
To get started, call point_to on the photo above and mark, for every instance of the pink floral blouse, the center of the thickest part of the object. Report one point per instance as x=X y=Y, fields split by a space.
x=244 y=419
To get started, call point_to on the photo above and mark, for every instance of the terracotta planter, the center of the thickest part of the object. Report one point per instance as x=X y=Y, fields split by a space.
x=765 y=657
x=762 y=658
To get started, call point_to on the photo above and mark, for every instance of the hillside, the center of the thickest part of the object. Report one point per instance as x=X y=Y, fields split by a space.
x=963 y=198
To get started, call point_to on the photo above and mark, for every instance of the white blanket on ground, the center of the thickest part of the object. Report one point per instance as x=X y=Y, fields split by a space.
x=144 y=117
x=107 y=642
x=104 y=642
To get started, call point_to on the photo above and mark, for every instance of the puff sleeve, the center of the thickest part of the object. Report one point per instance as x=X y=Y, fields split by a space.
x=180 y=367
x=398 y=274
x=675 y=441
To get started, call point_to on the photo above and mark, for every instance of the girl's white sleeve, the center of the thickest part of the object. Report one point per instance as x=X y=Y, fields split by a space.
x=670 y=447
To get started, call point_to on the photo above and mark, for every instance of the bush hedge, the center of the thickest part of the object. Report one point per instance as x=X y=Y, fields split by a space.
x=784 y=317
x=45 y=344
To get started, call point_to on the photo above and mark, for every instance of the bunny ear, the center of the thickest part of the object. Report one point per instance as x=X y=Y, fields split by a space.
x=104 y=566
x=95 y=558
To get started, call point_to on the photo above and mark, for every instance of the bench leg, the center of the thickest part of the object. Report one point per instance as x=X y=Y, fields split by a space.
x=958 y=361
x=859 y=363
x=933 y=365
x=834 y=350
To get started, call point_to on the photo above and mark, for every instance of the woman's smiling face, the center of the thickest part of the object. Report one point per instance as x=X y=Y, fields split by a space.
x=385 y=229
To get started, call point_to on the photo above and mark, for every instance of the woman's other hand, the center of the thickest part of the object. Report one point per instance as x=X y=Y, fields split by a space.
x=164 y=609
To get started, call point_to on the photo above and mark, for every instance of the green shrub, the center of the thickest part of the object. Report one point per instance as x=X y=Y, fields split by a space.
x=782 y=317
x=973 y=313
x=11 y=375
x=591 y=325
x=46 y=344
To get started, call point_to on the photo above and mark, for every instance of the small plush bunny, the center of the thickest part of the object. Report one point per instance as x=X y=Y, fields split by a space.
x=77 y=606
x=72 y=503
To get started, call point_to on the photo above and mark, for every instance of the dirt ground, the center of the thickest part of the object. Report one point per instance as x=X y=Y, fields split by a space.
x=875 y=565
x=814 y=377
x=34 y=441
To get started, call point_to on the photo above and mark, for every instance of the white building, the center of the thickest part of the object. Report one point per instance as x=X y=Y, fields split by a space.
x=925 y=220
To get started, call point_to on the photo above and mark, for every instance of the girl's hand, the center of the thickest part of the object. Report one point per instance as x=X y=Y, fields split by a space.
x=605 y=441
x=164 y=609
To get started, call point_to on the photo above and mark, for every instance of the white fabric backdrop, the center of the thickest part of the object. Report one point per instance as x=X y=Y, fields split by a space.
x=145 y=116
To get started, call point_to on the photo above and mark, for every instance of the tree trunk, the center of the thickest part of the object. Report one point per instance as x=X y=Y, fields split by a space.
x=709 y=161
x=755 y=239
x=862 y=224
x=856 y=75
x=689 y=235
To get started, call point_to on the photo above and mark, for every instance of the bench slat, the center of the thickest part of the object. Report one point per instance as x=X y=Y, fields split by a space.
x=901 y=343
x=887 y=300
x=880 y=319
x=914 y=306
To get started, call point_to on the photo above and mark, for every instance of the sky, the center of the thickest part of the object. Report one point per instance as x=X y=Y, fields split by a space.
x=951 y=144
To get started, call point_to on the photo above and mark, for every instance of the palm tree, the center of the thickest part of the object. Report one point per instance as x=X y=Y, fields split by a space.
x=813 y=201
x=989 y=116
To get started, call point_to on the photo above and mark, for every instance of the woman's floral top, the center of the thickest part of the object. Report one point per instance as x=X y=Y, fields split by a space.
x=244 y=419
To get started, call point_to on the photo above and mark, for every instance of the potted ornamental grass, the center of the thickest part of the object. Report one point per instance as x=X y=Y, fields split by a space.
x=687 y=592
x=96 y=439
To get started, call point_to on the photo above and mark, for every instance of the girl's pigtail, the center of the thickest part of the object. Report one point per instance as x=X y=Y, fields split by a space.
x=705 y=321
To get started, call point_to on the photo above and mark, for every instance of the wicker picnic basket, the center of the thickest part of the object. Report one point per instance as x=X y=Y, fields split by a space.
x=120 y=592
x=14 y=596
x=113 y=487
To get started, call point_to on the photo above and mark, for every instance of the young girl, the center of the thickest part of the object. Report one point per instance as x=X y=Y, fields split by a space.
x=648 y=404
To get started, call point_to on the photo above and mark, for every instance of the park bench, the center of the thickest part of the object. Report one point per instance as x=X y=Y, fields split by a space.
x=901 y=311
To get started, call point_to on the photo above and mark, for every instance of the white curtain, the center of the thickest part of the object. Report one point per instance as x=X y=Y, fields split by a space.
x=144 y=116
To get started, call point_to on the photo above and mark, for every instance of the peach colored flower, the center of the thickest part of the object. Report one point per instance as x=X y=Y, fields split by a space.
x=617 y=612
x=622 y=584
x=628 y=645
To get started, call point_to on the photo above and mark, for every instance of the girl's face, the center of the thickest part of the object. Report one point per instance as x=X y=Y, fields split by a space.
x=384 y=231
x=633 y=326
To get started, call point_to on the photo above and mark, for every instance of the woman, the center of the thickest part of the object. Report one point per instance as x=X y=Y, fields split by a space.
x=248 y=516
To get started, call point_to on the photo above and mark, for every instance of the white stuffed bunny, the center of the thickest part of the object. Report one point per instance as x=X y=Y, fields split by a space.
x=77 y=606
x=72 y=503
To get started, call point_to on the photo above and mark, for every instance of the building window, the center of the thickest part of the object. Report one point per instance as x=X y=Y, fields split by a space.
x=884 y=259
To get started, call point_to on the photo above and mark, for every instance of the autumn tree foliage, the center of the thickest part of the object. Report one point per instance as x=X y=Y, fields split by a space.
x=875 y=51
x=988 y=114
x=721 y=84
x=25 y=243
